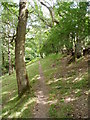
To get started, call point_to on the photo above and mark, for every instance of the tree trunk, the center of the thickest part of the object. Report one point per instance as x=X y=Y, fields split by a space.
x=21 y=74
x=3 y=57
x=9 y=58
x=3 y=60
x=78 y=49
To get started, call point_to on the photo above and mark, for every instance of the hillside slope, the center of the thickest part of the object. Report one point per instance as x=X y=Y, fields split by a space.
x=67 y=86
x=12 y=106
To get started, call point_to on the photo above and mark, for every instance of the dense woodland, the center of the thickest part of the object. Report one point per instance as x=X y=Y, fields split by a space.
x=34 y=30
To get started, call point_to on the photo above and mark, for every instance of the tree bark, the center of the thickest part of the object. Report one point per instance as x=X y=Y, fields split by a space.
x=21 y=74
x=9 y=58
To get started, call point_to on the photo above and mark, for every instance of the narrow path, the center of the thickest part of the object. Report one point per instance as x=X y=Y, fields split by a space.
x=42 y=107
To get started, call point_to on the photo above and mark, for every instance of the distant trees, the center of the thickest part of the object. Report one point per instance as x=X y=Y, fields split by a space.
x=9 y=58
x=8 y=24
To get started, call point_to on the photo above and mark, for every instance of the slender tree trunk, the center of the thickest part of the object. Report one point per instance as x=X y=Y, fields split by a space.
x=9 y=58
x=78 y=49
x=21 y=74
x=3 y=60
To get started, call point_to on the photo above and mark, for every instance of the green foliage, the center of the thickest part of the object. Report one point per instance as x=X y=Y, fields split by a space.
x=72 y=25
x=9 y=18
x=42 y=40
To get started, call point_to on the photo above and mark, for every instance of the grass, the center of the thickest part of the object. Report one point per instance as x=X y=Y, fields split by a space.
x=65 y=87
x=14 y=107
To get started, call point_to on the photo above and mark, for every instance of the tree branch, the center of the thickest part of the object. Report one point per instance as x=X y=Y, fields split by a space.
x=51 y=12
x=42 y=19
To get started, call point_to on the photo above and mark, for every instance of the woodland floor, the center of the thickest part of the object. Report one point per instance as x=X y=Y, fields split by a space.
x=58 y=90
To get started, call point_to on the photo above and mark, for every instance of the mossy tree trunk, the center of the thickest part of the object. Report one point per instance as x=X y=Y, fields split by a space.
x=21 y=74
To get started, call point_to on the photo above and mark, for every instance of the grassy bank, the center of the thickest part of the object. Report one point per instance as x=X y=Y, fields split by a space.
x=12 y=106
x=68 y=86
